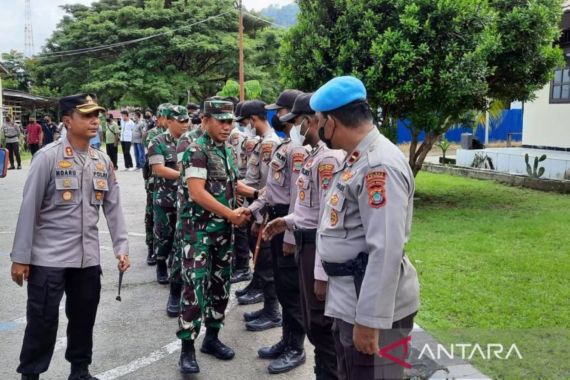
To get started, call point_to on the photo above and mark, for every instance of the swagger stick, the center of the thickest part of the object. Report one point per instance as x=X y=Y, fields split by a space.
x=120 y=283
x=258 y=242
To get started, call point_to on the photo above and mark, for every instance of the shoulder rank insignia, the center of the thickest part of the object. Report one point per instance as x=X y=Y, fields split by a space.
x=354 y=157
x=325 y=172
x=64 y=164
x=68 y=151
x=376 y=186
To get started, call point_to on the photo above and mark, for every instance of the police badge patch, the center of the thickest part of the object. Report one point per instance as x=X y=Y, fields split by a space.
x=266 y=151
x=64 y=164
x=325 y=173
x=298 y=159
x=376 y=185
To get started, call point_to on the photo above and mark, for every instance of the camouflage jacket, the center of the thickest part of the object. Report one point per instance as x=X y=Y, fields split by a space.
x=183 y=143
x=214 y=163
x=162 y=150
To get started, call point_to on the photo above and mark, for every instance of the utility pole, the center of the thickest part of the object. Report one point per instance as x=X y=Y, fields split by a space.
x=241 y=64
x=28 y=32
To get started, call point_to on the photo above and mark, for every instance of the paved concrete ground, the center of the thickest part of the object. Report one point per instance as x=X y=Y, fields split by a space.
x=134 y=339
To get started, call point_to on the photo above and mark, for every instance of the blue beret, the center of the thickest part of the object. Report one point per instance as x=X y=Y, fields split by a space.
x=338 y=92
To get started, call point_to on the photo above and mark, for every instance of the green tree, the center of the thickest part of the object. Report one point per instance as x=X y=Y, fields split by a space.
x=428 y=61
x=19 y=77
x=184 y=59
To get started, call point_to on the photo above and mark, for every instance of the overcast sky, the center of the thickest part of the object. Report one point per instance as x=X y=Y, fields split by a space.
x=47 y=13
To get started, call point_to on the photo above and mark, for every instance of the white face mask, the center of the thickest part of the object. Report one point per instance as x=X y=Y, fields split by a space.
x=249 y=130
x=296 y=137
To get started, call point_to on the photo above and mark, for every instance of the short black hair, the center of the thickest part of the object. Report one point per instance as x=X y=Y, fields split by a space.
x=7 y=118
x=125 y=113
x=261 y=117
x=138 y=113
x=353 y=114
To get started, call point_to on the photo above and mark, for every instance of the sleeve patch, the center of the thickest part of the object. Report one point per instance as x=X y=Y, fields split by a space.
x=376 y=187
x=325 y=174
x=156 y=159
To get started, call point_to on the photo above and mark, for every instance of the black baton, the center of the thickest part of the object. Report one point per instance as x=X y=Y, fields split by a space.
x=120 y=283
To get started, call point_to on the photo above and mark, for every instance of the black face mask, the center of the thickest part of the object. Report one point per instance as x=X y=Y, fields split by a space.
x=277 y=124
x=328 y=142
x=147 y=117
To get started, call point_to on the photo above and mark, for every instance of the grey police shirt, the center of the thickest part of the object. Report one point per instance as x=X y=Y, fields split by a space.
x=57 y=225
x=368 y=208
x=236 y=141
x=258 y=162
x=314 y=180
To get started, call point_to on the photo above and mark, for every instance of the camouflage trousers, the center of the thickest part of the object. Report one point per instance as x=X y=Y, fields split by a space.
x=206 y=272
x=176 y=268
x=164 y=226
x=148 y=214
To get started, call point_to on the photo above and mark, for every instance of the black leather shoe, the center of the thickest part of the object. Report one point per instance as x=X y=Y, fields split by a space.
x=249 y=287
x=272 y=352
x=252 y=315
x=30 y=377
x=80 y=372
x=291 y=358
x=251 y=297
x=264 y=322
x=188 y=363
x=173 y=305
x=241 y=275
x=12 y=168
x=216 y=348
x=161 y=272
x=150 y=257
x=19 y=167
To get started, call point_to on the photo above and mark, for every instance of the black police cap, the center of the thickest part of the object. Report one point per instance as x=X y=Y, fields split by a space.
x=253 y=108
x=82 y=103
x=285 y=100
x=301 y=107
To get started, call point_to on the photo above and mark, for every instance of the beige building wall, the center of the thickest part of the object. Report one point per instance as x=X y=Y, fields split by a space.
x=545 y=124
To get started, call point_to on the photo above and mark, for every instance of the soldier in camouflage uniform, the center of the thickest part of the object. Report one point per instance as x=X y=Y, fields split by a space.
x=208 y=213
x=149 y=134
x=162 y=160
x=173 y=305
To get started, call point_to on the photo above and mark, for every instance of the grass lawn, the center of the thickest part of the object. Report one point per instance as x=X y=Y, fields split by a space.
x=494 y=266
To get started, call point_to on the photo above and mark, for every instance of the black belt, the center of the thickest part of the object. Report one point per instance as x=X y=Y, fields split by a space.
x=305 y=236
x=355 y=268
x=277 y=211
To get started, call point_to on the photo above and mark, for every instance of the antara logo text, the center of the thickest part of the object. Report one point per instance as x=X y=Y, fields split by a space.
x=465 y=351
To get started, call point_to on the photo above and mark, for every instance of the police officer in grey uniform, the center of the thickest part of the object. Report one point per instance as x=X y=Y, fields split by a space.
x=276 y=202
x=313 y=182
x=373 y=289
x=254 y=113
x=56 y=246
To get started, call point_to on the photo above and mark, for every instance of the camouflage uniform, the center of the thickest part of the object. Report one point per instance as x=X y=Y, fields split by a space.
x=162 y=150
x=182 y=193
x=208 y=239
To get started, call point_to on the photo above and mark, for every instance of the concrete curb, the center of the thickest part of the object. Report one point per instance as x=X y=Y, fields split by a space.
x=562 y=187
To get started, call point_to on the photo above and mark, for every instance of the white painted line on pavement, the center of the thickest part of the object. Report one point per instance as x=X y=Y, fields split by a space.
x=417 y=327
x=154 y=356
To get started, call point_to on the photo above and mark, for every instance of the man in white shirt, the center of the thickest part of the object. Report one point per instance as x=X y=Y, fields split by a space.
x=127 y=126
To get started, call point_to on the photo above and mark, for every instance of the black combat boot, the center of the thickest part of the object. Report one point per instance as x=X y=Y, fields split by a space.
x=161 y=272
x=274 y=351
x=253 y=296
x=173 y=304
x=271 y=317
x=240 y=275
x=253 y=284
x=213 y=346
x=80 y=372
x=252 y=315
x=292 y=357
x=188 y=363
x=30 y=377
x=150 y=257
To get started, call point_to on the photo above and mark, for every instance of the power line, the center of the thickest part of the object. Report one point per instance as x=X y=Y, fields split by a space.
x=67 y=53
x=267 y=21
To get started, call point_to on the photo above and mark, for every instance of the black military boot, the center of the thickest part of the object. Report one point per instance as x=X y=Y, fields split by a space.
x=252 y=315
x=30 y=377
x=211 y=345
x=240 y=275
x=188 y=363
x=150 y=257
x=274 y=351
x=271 y=317
x=291 y=358
x=173 y=304
x=253 y=296
x=80 y=372
x=253 y=284
x=161 y=272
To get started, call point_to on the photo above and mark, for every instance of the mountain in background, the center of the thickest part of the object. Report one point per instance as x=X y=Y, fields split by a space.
x=285 y=15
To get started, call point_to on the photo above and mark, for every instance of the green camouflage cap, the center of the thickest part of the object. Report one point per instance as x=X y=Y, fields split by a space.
x=177 y=112
x=160 y=111
x=219 y=109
